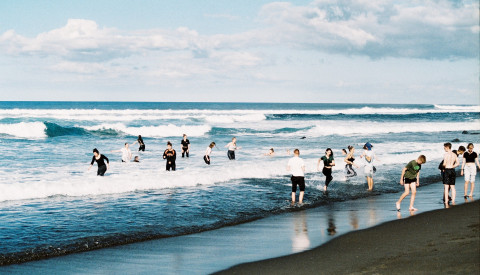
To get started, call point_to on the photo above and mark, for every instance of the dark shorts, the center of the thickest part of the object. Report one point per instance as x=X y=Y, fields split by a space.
x=231 y=155
x=207 y=161
x=300 y=181
x=449 y=177
x=101 y=170
x=171 y=166
x=408 y=181
x=141 y=148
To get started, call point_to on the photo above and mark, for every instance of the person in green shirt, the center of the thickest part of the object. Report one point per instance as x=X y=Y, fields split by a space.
x=411 y=179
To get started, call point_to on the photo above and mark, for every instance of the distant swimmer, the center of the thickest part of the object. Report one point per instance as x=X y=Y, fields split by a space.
x=470 y=158
x=185 y=146
x=206 y=157
x=328 y=163
x=410 y=178
x=170 y=155
x=296 y=166
x=369 y=169
x=271 y=153
x=100 y=159
x=349 y=160
x=450 y=161
x=232 y=147
x=140 y=143
x=126 y=153
x=136 y=159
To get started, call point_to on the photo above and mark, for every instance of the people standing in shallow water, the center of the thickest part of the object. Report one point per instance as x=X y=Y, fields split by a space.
x=185 y=146
x=206 y=157
x=100 y=159
x=369 y=169
x=140 y=143
x=450 y=161
x=410 y=178
x=170 y=156
x=469 y=169
x=349 y=160
x=328 y=163
x=126 y=153
x=232 y=147
x=296 y=166
x=459 y=152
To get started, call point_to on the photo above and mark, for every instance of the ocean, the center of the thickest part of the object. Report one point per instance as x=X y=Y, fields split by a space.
x=50 y=204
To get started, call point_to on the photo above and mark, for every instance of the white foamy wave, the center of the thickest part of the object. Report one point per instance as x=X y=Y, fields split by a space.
x=29 y=130
x=155 y=131
x=458 y=108
x=346 y=128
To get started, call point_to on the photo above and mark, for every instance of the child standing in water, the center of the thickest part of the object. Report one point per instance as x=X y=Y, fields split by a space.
x=410 y=178
x=296 y=165
x=232 y=146
x=328 y=163
x=349 y=160
x=170 y=155
x=185 y=146
x=206 y=158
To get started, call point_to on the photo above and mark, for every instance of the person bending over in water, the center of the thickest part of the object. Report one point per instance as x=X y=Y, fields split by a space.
x=126 y=153
x=468 y=165
x=232 y=146
x=349 y=160
x=185 y=146
x=140 y=143
x=100 y=159
x=410 y=178
x=206 y=158
x=170 y=155
x=328 y=163
x=296 y=166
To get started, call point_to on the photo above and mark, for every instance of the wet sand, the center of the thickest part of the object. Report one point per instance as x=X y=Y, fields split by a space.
x=443 y=241
x=298 y=231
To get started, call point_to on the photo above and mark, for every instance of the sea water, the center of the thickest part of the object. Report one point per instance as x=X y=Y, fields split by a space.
x=50 y=204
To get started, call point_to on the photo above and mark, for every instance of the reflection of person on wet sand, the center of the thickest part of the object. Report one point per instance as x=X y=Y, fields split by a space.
x=354 y=220
x=332 y=229
x=300 y=240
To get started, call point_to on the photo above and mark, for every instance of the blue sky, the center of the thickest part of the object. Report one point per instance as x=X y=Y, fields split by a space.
x=354 y=51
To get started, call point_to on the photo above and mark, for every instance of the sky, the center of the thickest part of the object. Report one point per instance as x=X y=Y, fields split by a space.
x=356 y=51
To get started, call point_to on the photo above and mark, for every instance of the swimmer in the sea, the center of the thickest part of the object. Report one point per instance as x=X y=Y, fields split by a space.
x=232 y=146
x=271 y=153
x=126 y=153
x=170 y=155
x=206 y=157
x=140 y=143
x=100 y=159
x=136 y=159
x=185 y=146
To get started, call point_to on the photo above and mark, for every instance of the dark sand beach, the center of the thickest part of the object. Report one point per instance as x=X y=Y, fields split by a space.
x=445 y=241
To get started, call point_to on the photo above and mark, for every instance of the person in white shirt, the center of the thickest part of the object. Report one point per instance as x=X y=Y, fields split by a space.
x=206 y=157
x=126 y=153
x=296 y=166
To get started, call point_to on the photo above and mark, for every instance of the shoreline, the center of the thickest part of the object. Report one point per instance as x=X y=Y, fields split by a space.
x=436 y=242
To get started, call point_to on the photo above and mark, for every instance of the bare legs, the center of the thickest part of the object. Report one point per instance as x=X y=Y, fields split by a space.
x=412 y=197
x=454 y=193
x=370 y=183
x=300 y=197
x=471 y=189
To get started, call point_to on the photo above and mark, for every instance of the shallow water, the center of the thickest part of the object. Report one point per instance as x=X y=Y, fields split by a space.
x=51 y=205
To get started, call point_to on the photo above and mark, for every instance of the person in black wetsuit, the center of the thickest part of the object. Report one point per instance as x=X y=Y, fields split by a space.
x=185 y=146
x=100 y=159
x=328 y=163
x=140 y=143
x=170 y=155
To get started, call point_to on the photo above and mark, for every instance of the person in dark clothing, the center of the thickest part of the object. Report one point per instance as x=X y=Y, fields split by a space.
x=185 y=146
x=328 y=163
x=140 y=143
x=170 y=155
x=100 y=159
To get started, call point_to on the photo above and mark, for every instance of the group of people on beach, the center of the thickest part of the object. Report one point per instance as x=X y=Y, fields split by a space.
x=169 y=155
x=409 y=178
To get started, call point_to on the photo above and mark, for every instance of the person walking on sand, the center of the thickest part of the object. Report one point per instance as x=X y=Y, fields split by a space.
x=470 y=158
x=349 y=160
x=126 y=153
x=296 y=166
x=410 y=178
x=206 y=157
x=170 y=155
x=328 y=163
x=369 y=169
x=450 y=161
x=100 y=159
x=185 y=146
x=140 y=143
x=232 y=147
